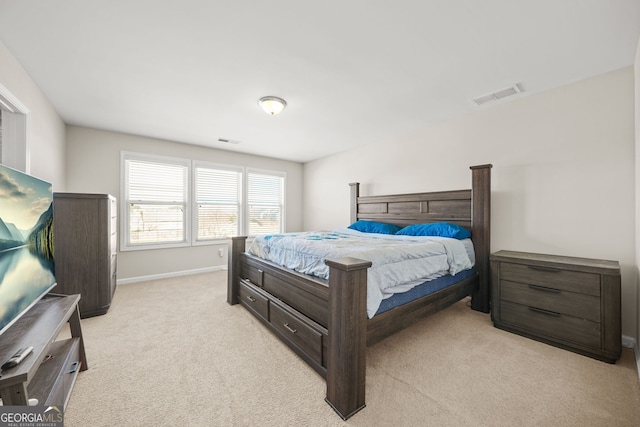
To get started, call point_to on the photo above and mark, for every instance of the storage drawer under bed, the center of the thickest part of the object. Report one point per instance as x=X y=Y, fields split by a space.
x=302 y=334
x=252 y=273
x=253 y=300
x=298 y=331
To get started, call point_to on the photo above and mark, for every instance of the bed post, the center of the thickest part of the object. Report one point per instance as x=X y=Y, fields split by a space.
x=481 y=232
x=346 y=359
x=236 y=247
x=355 y=193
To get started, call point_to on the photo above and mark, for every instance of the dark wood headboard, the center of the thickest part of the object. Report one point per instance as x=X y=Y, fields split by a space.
x=468 y=208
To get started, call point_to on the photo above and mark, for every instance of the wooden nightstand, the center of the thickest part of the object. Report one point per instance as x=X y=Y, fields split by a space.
x=572 y=303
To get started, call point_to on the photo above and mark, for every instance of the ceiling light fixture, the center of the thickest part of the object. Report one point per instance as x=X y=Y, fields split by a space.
x=272 y=104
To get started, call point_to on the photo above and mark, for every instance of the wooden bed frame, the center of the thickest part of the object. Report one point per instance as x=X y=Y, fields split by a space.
x=325 y=322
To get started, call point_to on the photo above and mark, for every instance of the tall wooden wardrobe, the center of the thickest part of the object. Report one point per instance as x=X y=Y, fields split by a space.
x=86 y=239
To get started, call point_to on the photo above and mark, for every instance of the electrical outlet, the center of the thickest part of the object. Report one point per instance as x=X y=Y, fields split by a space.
x=221 y=252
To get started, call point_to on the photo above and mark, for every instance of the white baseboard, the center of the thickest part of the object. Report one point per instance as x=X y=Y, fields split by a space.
x=169 y=275
x=630 y=342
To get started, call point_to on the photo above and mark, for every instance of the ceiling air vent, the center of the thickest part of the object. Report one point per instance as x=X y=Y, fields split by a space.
x=229 y=141
x=497 y=95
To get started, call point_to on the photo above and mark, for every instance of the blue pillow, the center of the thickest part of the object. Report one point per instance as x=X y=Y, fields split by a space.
x=374 y=227
x=442 y=229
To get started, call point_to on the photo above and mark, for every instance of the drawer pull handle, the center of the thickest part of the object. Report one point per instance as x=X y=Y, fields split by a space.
x=250 y=298
x=545 y=289
x=290 y=329
x=547 y=312
x=547 y=269
x=74 y=367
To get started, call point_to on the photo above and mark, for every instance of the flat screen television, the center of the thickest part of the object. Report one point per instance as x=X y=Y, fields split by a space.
x=27 y=269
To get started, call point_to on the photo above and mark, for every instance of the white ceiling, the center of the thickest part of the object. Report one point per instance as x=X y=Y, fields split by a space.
x=352 y=71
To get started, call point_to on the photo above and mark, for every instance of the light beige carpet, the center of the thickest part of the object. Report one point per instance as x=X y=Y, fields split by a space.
x=174 y=353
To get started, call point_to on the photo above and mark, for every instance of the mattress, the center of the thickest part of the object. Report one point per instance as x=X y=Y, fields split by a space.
x=423 y=289
x=399 y=263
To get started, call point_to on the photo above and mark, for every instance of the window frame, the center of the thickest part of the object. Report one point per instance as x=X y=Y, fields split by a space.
x=196 y=241
x=191 y=202
x=283 y=205
x=125 y=244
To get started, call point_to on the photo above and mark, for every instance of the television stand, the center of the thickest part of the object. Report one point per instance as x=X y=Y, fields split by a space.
x=49 y=372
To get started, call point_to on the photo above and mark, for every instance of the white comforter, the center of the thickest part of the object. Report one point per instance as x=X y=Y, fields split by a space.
x=398 y=262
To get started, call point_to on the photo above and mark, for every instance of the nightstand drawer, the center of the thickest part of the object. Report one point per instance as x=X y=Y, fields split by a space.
x=298 y=332
x=566 y=280
x=252 y=300
x=566 y=328
x=552 y=299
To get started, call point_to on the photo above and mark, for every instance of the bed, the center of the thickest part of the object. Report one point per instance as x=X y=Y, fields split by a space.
x=325 y=321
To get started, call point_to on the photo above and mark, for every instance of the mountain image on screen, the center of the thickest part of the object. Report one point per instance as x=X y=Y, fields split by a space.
x=26 y=243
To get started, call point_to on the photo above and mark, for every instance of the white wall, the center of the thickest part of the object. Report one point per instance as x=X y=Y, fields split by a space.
x=45 y=128
x=93 y=166
x=562 y=183
x=637 y=160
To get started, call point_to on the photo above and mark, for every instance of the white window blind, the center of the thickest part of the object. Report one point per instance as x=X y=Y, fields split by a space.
x=265 y=200
x=218 y=196
x=156 y=195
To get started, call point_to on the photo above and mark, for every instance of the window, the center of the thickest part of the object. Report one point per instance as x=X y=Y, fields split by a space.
x=168 y=202
x=156 y=201
x=265 y=202
x=218 y=195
